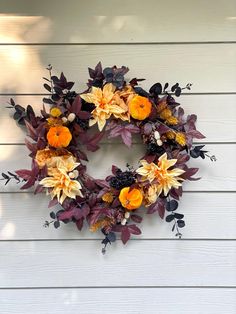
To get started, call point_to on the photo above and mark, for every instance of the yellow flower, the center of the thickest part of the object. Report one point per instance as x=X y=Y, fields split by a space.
x=105 y=222
x=105 y=106
x=59 y=180
x=108 y=197
x=170 y=135
x=165 y=114
x=55 y=112
x=172 y=120
x=180 y=138
x=166 y=179
x=161 y=105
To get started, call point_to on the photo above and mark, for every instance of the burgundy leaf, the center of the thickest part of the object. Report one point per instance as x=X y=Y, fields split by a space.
x=158 y=206
x=161 y=128
x=53 y=202
x=196 y=134
x=134 y=229
x=84 y=115
x=189 y=172
x=79 y=223
x=39 y=189
x=176 y=193
x=76 y=105
x=24 y=173
x=102 y=183
x=96 y=213
x=28 y=184
x=92 y=200
x=182 y=158
x=114 y=169
x=32 y=147
x=32 y=132
x=126 y=137
x=67 y=214
x=85 y=210
x=125 y=235
x=136 y=218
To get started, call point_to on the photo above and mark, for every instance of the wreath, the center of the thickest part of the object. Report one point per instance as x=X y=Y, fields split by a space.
x=75 y=123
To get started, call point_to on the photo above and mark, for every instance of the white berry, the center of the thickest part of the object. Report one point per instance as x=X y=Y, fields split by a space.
x=76 y=173
x=64 y=119
x=159 y=142
x=123 y=222
x=71 y=175
x=71 y=117
x=157 y=135
x=127 y=215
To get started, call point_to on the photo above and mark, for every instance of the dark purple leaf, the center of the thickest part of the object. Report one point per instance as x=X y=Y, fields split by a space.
x=47 y=87
x=169 y=218
x=172 y=205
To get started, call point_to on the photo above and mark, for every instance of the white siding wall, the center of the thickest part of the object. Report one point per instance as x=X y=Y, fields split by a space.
x=63 y=271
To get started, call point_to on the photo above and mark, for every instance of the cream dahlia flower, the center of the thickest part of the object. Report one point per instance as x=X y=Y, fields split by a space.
x=59 y=180
x=165 y=178
x=105 y=105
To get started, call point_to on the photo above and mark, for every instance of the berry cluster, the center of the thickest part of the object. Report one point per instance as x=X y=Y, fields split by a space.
x=154 y=149
x=122 y=179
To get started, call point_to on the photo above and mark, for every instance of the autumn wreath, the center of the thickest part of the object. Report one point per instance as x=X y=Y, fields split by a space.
x=75 y=123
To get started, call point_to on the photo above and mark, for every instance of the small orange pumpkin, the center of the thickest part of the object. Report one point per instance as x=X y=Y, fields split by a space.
x=130 y=199
x=59 y=136
x=139 y=107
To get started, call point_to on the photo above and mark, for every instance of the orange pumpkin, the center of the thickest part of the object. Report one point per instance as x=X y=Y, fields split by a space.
x=130 y=198
x=59 y=136
x=139 y=107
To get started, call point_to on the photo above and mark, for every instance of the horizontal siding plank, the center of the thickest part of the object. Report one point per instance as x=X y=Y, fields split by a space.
x=23 y=216
x=121 y=300
x=140 y=263
x=130 y=21
x=216 y=176
x=208 y=108
x=23 y=66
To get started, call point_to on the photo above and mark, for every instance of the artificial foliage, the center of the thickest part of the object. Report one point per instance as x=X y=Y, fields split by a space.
x=72 y=123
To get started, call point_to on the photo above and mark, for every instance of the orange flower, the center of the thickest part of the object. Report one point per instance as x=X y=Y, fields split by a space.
x=130 y=199
x=140 y=107
x=59 y=136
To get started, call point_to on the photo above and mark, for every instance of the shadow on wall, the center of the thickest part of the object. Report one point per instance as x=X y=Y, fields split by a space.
x=23 y=65
x=16 y=61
